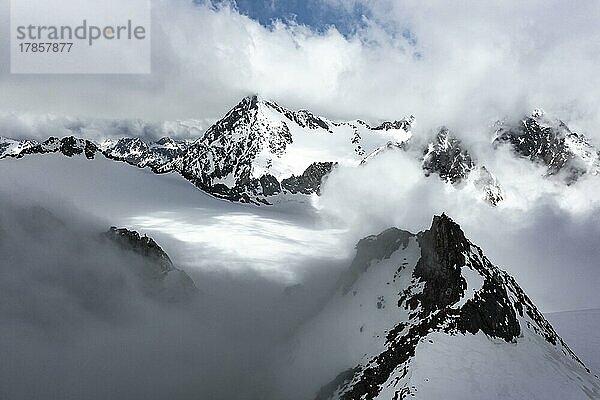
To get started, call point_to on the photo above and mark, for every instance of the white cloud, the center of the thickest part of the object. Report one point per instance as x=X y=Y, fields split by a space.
x=478 y=62
x=543 y=233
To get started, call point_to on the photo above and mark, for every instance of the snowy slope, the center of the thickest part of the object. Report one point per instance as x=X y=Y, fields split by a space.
x=581 y=329
x=261 y=152
x=250 y=152
x=258 y=149
x=428 y=316
x=197 y=230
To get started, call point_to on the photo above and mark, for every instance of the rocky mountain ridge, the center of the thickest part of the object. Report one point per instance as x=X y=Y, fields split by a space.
x=161 y=279
x=411 y=303
x=549 y=141
x=260 y=150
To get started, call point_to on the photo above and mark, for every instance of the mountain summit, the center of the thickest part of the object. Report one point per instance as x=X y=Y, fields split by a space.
x=261 y=152
x=548 y=141
x=428 y=316
x=259 y=148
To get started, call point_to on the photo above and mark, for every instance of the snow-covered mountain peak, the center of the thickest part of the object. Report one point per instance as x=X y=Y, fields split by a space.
x=257 y=150
x=537 y=113
x=260 y=149
x=549 y=141
x=425 y=314
x=448 y=157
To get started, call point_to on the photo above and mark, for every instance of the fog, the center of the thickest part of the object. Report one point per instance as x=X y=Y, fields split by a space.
x=463 y=65
x=75 y=322
x=543 y=233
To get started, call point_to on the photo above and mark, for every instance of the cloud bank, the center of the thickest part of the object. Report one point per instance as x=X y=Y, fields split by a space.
x=75 y=322
x=543 y=233
x=461 y=64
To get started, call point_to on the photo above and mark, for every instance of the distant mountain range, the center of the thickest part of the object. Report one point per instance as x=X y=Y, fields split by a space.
x=260 y=150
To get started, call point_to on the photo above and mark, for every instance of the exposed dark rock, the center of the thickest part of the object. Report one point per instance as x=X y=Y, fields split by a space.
x=160 y=277
x=71 y=146
x=545 y=144
x=447 y=157
x=373 y=248
x=490 y=311
x=131 y=150
x=142 y=245
x=270 y=185
x=551 y=143
x=436 y=287
x=310 y=180
x=229 y=148
x=442 y=256
x=303 y=118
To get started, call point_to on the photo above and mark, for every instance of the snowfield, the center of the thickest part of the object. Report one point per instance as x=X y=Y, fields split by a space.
x=581 y=329
x=189 y=223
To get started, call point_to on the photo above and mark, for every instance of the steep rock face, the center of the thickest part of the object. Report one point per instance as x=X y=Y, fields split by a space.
x=225 y=154
x=412 y=303
x=550 y=142
x=161 y=278
x=310 y=180
x=443 y=249
x=154 y=155
x=260 y=149
x=447 y=157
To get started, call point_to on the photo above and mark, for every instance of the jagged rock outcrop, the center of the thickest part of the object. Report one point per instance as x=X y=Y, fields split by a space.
x=134 y=151
x=447 y=157
x=550 y=142
x=160 y=277
x=412 y=302
x=310 y=180
x=69 y=146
